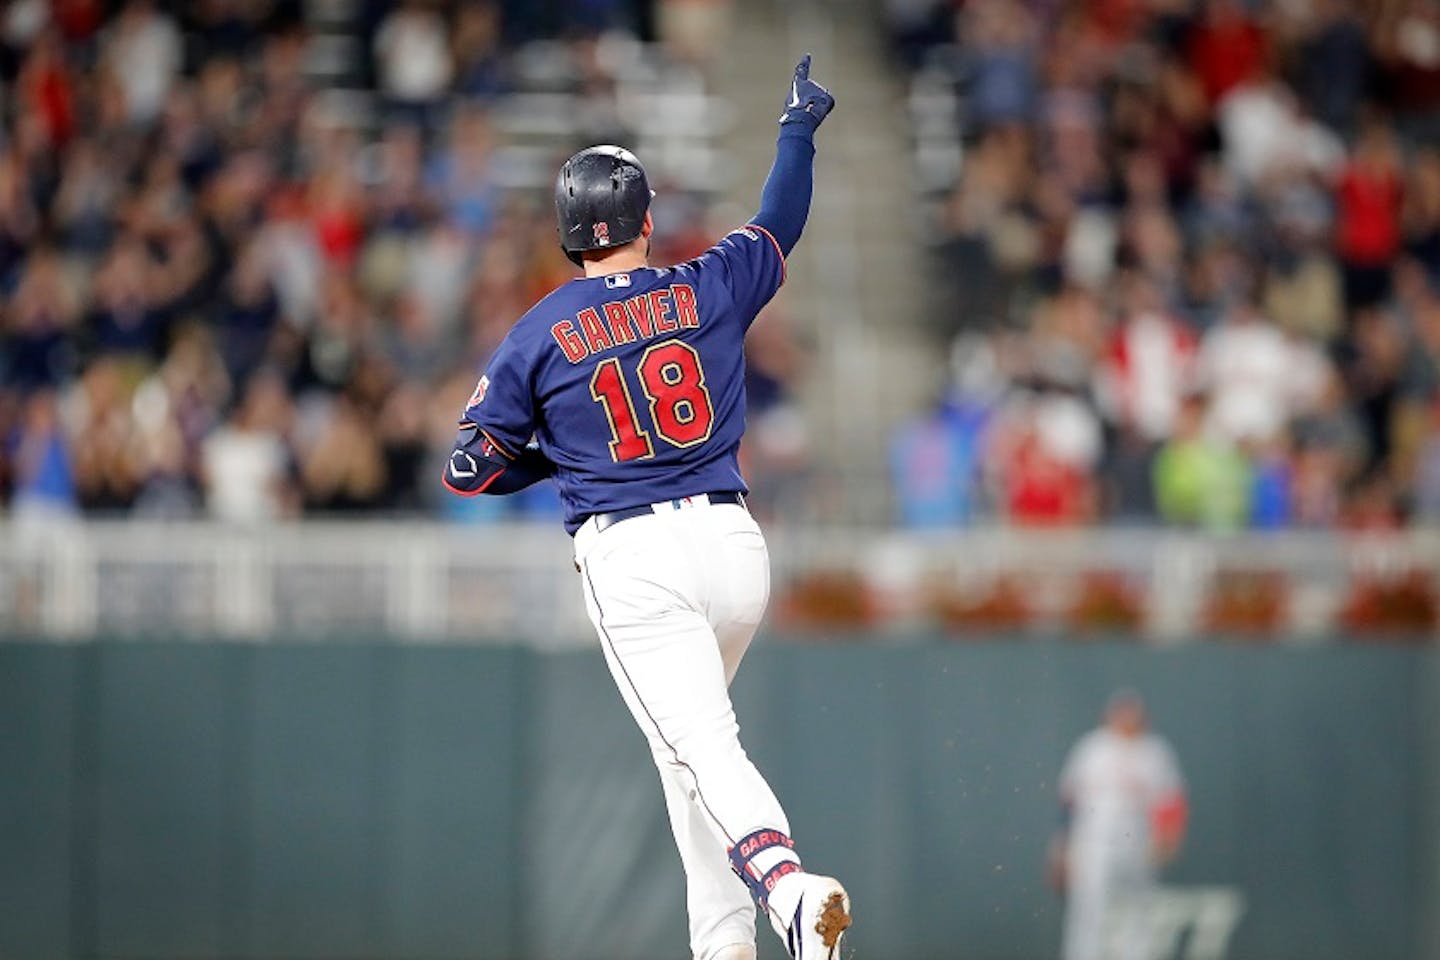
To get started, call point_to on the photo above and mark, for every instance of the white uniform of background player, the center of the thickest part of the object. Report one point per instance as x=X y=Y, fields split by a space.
x=1125 y=813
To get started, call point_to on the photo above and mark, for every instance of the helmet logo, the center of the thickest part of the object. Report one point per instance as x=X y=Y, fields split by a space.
x=602 y=233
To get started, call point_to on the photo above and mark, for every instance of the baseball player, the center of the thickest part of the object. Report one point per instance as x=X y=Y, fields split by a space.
x=1123 y=816
x=627 y=387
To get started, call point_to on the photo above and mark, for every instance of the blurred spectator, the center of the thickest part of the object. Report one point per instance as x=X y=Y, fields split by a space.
x=1427 y=481
x=1372 y=505
x=19 y=218
x=1046 y=445
x=342 y=467
x=1149 y=364
x=141 y=52
x=104 y=448
x=1265 y=133
x=1406 y=37
x=1200 y=480
x=1302 y=289
x=935 y=466
x=1335 y=64
x=128 y=318
x=1368 y=199
x=1000 y=38
x=1245 y=364
x=915 y=26
x=775 y=454
x=695 y=31
x=86 y=196
x=413 y=57
x=44 y=484
x=414 y=345
x=936 y=459
x=23 y=21
x=401 y=431
x=461 y=176
x=1272 y=485
x=1330 y=450
x=1225 y=47
x=39 y=347
x=396 y=199
x=479 y=59
x=1382 y=373
x=246 y=315
x=1421 y=215
x=48 y=91
x=247 y=464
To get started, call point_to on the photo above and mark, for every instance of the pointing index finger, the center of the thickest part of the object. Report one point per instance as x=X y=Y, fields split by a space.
x=802 y=69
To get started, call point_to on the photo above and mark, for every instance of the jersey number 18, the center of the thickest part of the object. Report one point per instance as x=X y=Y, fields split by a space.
x=674 y=383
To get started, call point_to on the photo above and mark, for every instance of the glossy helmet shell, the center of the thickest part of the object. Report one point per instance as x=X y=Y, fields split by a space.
x=601 y=196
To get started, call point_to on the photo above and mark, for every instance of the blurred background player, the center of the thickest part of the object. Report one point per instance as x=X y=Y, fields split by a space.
x=1124 y=813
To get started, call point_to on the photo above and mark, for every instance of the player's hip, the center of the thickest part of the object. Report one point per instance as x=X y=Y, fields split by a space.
x=692 y=518
x=699 y=555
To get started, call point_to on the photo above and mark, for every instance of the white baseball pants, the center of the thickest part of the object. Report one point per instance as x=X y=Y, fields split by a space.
x=1105 y=915
x=675 y=597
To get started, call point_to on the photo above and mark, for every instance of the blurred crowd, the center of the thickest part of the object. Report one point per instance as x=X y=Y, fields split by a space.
x=228 y=293
x=1189 y=260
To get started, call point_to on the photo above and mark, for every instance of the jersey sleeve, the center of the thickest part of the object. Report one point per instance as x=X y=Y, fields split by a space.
x=1170 y=808
x=752 y=266
x=503 y=405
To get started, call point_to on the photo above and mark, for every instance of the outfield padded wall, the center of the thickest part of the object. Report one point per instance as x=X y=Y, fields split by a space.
x=380 y=800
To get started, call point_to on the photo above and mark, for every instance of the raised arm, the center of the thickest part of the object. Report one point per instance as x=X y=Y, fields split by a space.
x=785 y=200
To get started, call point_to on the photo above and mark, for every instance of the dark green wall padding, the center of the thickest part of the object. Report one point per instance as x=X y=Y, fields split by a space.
x=199 y=800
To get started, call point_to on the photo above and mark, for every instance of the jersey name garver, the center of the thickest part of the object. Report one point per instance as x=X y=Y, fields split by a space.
x=663 y=310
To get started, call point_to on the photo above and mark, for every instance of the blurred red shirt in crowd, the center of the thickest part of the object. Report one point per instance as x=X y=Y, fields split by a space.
x=1369 y=198
x=77 y=19
x=47 y=92
x=1226 y=48
x=1041 y=490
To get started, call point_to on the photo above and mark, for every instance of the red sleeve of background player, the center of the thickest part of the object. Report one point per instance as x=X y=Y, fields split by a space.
x=1169 y=818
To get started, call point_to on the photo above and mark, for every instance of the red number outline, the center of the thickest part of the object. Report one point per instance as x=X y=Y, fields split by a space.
x=680 y=381
x=635 y=432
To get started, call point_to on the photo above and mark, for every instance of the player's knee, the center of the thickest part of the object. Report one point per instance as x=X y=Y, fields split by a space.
x=702 y=745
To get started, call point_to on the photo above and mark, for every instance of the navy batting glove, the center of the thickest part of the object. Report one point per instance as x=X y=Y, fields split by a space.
x=809 y=102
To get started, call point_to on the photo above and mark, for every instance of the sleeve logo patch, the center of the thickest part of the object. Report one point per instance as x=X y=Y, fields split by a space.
x=749 y=233
x=480 y=389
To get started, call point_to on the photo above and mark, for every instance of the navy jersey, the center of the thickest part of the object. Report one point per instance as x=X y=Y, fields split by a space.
x=633 y=384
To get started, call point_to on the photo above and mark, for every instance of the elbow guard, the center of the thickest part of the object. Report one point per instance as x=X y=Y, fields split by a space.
x=475 y=463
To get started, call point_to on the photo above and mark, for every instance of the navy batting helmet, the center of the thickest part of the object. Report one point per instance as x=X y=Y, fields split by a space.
x=601 y=196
